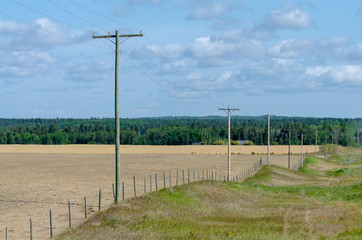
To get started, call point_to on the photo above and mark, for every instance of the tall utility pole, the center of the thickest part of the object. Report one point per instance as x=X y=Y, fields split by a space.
x=118 y=162
x=289 y=152
x=316 y=141
x=229 y=152
x=268 y=137
x=301 y=145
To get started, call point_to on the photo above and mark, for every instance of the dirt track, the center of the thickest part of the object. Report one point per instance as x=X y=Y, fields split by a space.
x=36 y=179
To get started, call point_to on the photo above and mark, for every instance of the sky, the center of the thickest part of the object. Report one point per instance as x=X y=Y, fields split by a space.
x=287 y=58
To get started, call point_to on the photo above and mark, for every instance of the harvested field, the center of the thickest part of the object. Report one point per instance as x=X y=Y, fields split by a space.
x=35 y=179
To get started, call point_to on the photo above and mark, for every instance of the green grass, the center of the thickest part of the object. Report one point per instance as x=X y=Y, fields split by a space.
x=260 y=208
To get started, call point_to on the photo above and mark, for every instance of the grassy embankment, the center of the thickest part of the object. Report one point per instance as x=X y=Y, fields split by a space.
x=323 y=200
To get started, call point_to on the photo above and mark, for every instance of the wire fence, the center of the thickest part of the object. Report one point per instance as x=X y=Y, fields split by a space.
x=78 y=211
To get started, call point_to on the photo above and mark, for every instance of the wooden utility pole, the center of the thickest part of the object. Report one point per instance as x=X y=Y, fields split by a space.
x=229 y=152
x=118 y=163
x=289 y=152
x=301 y=145
x=268 y=115
x=316 y=142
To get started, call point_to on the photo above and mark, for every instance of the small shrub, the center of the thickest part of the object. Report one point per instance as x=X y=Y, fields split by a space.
x=252 y=153
x=219 y=142
x=249 y=143
x=234 y=143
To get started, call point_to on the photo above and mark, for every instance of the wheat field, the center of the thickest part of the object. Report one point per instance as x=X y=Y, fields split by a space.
x=35 y=178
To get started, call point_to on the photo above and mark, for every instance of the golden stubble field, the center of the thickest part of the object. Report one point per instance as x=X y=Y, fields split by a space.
x=36 y=178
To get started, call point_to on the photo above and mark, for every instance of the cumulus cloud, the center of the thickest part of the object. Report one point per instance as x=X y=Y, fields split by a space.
x=24 y=63
x=46 y=34
x=201 y=10
x=88 y=72
x=288 y=17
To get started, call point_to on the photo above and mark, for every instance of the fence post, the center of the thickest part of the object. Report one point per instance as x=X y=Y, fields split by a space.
x=169 y=174
x=198 y=174
x=177 y=177
x=150 y=182
x=164 y=179
x=51 y=223
x=114 y=194
x=31 y=229
x=70 y=214
x=207 y=174
x=194 y=174
x=203 y=174
x=145 y=188
x=99 y=200
x=183 y=176
x=224 y=178
x=123 y=190
x=134 y=186
x=188 y=175
x=85 y=208
x=6 y=233
x=156 y=181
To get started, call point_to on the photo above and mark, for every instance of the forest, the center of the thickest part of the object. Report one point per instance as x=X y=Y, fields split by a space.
x=179 y=130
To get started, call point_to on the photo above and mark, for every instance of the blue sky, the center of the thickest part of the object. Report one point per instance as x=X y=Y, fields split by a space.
x=290 y=58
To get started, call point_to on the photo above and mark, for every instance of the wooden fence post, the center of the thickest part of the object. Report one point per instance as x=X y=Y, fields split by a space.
x=145 y=188
x=150 y=182
x=194 y=174
x=6 y=233
x=31 y=229
x=51 y=223
x=203 y=174
x=70 y=214
x=123 y=190
x=177 y=177
x=85 y=208
x=164 y=179
x=99 y=200
x=134 y=186
x=169 y=174
x=183 y=176
x=188 y=175
x=156 y=181
x=114 y=192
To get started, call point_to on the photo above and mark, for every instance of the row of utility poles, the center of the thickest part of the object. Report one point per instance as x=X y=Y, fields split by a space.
x=117 y=135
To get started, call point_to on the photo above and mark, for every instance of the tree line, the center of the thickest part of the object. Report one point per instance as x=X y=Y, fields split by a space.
x=178 y=130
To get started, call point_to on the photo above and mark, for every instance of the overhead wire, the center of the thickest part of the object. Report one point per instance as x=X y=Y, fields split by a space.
x=49 y=31
x=157 y=49
x=75 y=15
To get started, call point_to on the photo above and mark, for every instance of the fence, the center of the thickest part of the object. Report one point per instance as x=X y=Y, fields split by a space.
x=151 y=182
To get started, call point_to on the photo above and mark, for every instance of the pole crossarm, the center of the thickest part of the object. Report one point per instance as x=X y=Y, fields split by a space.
x=124 y=35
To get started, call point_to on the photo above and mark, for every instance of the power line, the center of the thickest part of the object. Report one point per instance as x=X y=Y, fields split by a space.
x=46 y=15
x=101 y=15
x=75 y=15
x=49 y=31
x=183 y=77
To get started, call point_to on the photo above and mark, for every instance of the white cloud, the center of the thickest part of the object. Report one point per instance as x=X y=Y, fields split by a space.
x=24 y=63
x=206 y=10
x=317 y=71
x=88 y=72
x=347 y=74
x=21 y=36
x=289 y=17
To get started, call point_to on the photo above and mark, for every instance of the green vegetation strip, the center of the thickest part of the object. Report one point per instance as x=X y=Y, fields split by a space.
x=275 y=203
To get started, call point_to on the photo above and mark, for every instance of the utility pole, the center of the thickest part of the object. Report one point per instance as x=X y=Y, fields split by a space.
x=316 y=141
x=301 y=145
x=289 y=152
x=117 y=157
x=229 y=152
x=268 y=137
